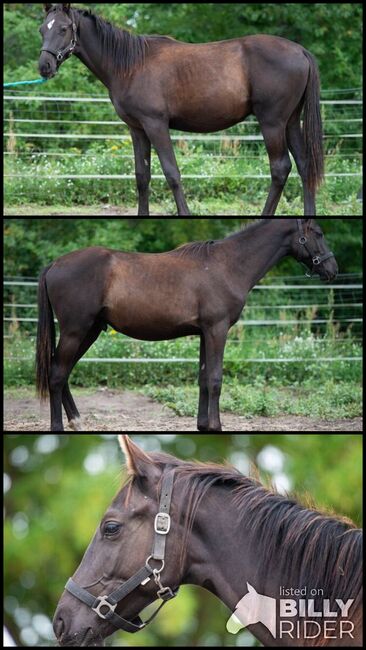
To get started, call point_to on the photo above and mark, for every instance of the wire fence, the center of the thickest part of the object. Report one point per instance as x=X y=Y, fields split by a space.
x=38 y=128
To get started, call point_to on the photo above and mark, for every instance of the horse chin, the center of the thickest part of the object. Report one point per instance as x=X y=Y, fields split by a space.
x=327 y=278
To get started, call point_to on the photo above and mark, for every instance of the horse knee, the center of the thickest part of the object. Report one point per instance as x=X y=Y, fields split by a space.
x=57 y=380
x=215 y=386
x=173 y=180
x=142 y=181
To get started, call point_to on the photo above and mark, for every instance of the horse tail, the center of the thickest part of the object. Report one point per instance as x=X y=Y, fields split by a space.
x=312 y=128
x=46 y=337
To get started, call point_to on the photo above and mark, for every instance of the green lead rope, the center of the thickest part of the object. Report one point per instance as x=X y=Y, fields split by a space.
x=24 y=83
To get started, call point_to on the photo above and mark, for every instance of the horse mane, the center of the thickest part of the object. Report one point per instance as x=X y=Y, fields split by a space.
x=125 y=50
x=201 y=249
x=198 y=249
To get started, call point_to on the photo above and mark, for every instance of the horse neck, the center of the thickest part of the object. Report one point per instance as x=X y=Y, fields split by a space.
x=223 y=574
x=255 y=251
x=90 y=51
x=111 y=54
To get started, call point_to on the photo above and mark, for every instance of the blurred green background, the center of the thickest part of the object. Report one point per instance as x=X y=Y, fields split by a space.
x=57 y=488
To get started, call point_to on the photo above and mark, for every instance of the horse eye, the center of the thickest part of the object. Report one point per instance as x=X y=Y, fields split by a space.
x=111 y=528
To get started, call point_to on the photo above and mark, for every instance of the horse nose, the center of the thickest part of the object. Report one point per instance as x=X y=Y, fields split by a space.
x=58 y=626
x=45 y=67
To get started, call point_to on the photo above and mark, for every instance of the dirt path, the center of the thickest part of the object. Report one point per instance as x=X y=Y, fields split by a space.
x=107 y=410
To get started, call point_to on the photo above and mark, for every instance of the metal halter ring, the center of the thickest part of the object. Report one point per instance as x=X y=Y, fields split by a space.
x=104 y=602
x=156 y=572
x=303 y=240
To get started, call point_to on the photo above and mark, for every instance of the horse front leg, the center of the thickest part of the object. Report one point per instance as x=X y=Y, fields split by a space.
x=202 y=423
x=158 y=134
x=215 y=339
x=142 y=151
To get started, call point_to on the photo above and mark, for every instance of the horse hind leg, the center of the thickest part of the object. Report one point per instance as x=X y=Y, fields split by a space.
x=275 y=141
x=72 y=412
x=296 y=144
x=71 y=409
x=62 y=364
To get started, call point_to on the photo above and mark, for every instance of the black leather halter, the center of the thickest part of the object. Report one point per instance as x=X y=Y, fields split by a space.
x=105 y=606
x=61 y=54
x=316 y=259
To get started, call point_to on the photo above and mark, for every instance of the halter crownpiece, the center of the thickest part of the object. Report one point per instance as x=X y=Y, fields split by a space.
x=99 y=603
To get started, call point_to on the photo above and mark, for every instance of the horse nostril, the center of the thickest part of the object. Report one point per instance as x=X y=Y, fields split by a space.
x=58 y=626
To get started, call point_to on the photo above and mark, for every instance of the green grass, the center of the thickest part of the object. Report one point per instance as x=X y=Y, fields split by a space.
x=331 y=401
x=226 y=186
x=309 y=388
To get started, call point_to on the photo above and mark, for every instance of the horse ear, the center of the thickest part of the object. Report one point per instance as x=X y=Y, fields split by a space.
x=47 y=6
x=136 y=459
x=66 y=7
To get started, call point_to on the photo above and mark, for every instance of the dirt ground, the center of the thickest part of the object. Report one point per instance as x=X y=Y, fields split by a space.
x=112 y=410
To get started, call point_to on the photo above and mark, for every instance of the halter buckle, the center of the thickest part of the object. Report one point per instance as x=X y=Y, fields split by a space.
x=162 y=523
x=316 y=260
x=104 y=602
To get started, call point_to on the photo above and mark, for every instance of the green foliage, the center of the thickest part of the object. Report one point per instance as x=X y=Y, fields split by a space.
x=30 y=244
x=225 y=181
x=331 y=31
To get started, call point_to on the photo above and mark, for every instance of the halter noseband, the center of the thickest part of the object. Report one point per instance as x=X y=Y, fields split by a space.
x=316 y=259
x=61 y=54
x=105 y=606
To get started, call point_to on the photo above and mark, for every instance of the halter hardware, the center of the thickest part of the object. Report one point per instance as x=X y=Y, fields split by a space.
x=162 y=523
x=316 y=259
x=104 y=602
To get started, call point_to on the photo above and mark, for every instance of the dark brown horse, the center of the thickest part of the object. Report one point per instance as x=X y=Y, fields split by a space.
x=198 y=289
x=157 y=83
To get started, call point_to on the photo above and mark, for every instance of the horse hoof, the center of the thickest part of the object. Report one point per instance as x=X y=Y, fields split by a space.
x=202 y=427
x=76 y=424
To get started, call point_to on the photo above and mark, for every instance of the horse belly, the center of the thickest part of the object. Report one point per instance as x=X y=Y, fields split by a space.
x=150 y=327
x=211 y=90
x=147 y=318
x=208 y=120
x=161 y=333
